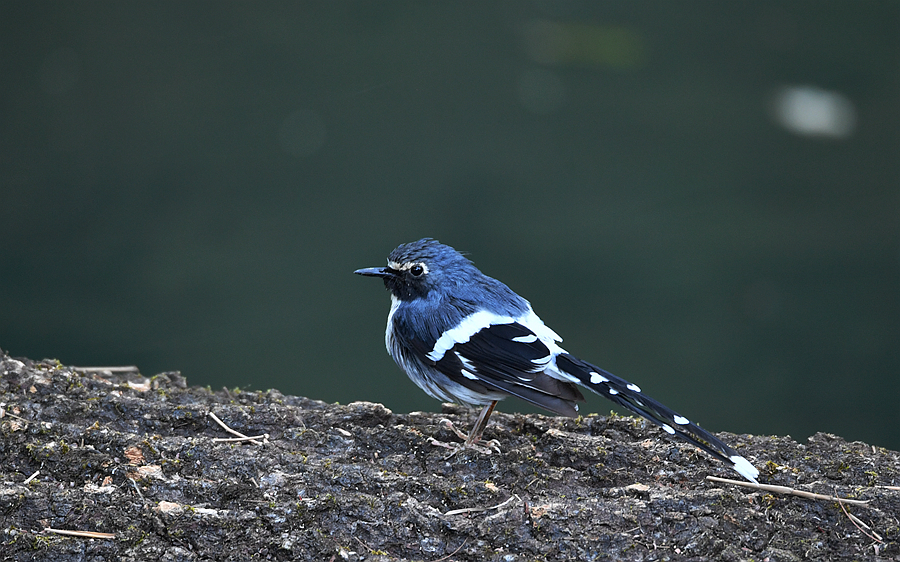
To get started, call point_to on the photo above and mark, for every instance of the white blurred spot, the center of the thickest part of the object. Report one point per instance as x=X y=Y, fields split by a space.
x=668 y=429
x=541 y=91
x=633 y=387
x=302 y=133
x=681 y=420
x=812 y=111
x=597 y=378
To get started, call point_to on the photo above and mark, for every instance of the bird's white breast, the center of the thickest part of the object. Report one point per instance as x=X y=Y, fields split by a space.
x=388 y=333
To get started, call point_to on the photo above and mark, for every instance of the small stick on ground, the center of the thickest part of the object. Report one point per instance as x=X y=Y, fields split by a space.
x=454 y=552
x=786 y=490
x=255 y=440
x=30 y=478
x=865 y=529
x=138 y=490
x=4 y=413
x=477 y=509
x=120 y=369
x=85 y=534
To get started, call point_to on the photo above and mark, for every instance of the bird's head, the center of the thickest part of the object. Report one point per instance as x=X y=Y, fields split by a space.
x=418 y=269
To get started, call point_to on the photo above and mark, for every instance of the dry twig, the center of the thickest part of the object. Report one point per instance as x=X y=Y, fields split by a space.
x=30 y=478
x=454 y=552
x=477 y=509
x=120 y=369
x=860 y=525
x=257 y=440
x=85 y=534
x=4 y=413
x=786 y=490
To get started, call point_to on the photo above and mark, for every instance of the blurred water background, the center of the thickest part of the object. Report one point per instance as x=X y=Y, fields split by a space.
x=701 y=197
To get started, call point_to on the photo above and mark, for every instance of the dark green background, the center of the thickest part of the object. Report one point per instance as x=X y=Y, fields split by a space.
x=188 y=186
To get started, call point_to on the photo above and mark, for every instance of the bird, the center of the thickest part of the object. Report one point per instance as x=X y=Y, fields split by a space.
x=467 y=338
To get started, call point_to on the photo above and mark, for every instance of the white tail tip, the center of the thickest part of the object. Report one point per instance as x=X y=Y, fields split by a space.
x=744 y=467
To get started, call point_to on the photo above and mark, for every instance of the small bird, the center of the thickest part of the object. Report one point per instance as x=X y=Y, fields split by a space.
x=467 y=338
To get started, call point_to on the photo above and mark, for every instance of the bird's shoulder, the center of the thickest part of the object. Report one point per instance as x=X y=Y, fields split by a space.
x=462 y=307
x=473 y=329
x=427 y=319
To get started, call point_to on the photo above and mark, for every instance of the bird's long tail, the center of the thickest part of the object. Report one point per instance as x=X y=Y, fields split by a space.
x=629 y=396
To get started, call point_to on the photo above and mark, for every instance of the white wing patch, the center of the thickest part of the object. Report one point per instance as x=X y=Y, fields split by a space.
x=531 y=321
x=541 y=361
x=468 y=369
x=477 y=321
x=463 y=332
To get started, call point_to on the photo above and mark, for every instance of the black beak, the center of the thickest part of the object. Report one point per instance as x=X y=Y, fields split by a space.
x=382 y=272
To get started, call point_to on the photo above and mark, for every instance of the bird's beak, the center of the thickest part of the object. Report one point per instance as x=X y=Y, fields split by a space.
x=382 y=272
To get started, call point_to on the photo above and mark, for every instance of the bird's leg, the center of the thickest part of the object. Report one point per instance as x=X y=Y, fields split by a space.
x=480 y=424
x=471 y=440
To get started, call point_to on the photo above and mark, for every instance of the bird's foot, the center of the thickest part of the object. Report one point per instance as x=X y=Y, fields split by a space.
x=477 y=444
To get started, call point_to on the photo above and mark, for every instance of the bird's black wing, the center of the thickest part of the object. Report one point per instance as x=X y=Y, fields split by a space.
x=510 y=358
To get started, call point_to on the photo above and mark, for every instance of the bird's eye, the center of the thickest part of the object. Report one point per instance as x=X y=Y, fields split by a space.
x=417 y=270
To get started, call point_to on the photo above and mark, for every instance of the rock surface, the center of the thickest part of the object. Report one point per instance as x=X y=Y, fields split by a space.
x=137 y=458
